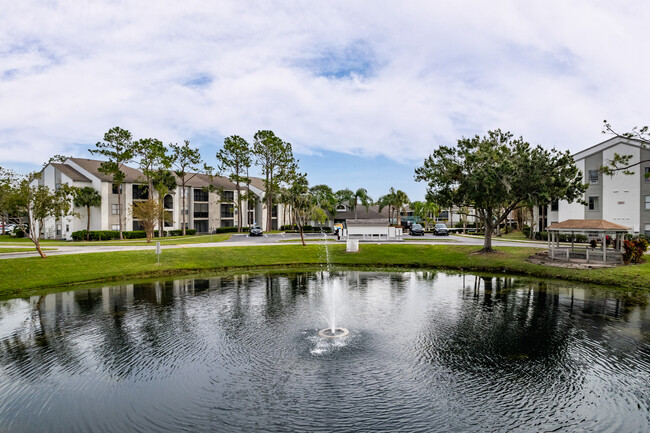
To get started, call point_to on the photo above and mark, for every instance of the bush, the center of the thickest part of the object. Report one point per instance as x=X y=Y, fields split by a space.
x=526 y=231
x=19 y=233
x=229 y=229
x=634 y=249
x=179 y=232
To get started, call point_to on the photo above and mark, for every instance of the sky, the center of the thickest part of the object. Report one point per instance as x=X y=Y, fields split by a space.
x=363 y=90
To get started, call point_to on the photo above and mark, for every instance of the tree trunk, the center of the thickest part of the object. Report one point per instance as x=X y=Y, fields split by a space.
x=88 y=224
x=239 y=217
x=183 y=203
x=269 y=202
x=121 y=210
x=489 y=227
x=302 y=236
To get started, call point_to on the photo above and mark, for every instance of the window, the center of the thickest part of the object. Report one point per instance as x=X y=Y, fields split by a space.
x=274 y=211
x=555 y=205
x=647 y=230
x=229 y=195
x=647 y=174
x=593 y=203
x=227 y=211
x=117 y=188
x=168 y=202
x=137 y=226
x=200 y=210
x=140 y=192
x=115 y=209
x=200 y=195
x=67 y=227
x=227 y=223
x=593 y=176
x=115 y=227
x=647 y=202
x=201 y=226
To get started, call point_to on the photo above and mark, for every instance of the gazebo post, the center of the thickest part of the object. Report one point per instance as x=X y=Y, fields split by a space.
x=604 y=247
x=548 y=239
x=571 y=242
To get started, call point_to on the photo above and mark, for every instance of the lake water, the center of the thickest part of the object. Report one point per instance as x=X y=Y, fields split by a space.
x=427 y=351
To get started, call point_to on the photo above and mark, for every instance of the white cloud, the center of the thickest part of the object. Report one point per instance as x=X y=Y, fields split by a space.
x=421 y=73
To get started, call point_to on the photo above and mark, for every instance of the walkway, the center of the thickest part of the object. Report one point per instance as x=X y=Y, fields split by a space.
x=245 y=240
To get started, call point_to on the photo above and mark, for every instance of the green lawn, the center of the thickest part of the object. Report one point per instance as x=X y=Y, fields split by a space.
x=171 y=240
x=25 y=276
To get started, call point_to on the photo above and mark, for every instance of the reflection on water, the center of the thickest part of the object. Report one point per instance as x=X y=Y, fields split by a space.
x=426 y=351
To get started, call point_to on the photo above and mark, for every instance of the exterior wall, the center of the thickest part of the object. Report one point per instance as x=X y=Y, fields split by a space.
x=644 y=225
x=621 y=192
x=368 y=230
x=593 y=162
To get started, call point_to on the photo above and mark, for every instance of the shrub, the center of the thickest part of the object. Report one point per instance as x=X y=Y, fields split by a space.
x=526 y=231
x=19 y=233
x=634 y=249
x=179 y=232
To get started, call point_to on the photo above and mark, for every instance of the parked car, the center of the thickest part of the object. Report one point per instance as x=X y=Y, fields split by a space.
x=416 y=230
x=256 y=231
x=440 y=230
x=9 y=228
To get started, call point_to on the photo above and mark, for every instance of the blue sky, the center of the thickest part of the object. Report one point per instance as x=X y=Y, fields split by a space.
x=363 y=90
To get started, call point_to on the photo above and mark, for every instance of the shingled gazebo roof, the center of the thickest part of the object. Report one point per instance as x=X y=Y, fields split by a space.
x=587 y=225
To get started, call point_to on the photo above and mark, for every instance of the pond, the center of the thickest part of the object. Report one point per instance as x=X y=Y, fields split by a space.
x=426 y=351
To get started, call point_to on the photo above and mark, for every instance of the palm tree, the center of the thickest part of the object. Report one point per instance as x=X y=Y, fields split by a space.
x=401 y=200
x=361 y=196
x=87 y=197
x=325 y=198
x=387 y=200
x=344 y=196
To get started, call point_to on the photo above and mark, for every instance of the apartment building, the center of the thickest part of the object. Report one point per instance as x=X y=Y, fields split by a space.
x=621 y=198
x=205 y=208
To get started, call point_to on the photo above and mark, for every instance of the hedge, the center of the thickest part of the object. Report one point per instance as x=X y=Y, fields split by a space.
x=306 y=229
x=105 y=235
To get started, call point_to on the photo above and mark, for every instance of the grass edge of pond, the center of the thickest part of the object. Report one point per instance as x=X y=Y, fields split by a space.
x=32 y=276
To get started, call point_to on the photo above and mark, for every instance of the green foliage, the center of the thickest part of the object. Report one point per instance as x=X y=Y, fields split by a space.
x=106 y=235
x=186 y=162
x=118 y=149
x=497 y=173
x=633 y=250
x=275 y=158
x=235 y=158
x=190 y=232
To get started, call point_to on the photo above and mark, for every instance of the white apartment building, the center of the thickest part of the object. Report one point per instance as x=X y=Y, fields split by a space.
x=622 y=198
x=204 y=210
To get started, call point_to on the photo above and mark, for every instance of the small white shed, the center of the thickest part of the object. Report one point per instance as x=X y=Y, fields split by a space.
x=371 y=229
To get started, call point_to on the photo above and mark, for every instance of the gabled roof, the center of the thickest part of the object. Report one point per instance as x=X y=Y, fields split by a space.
x=593 y=225
x=70 y=172
x=362 y=214
x=132 y=175
x=606 y=145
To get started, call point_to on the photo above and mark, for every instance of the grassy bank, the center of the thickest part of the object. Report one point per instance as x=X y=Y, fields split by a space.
x=25 y=276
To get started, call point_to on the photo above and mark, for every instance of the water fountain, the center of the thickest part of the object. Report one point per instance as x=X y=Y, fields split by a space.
x=333 y=331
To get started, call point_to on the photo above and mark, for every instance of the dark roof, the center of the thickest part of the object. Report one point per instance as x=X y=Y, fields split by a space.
x=201 y=180
x=70 y=172
x=257 y=183
x=362 y=213
x=132 y=175
x=600 y=225
x=367 y=222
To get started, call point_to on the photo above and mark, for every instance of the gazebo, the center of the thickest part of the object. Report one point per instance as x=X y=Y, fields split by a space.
x=598 y=228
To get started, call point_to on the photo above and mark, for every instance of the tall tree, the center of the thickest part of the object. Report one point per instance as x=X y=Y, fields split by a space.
x=186 y=162
x=361 y=197
x=38 y=203
x=163 y=182
x=304 y=204
x=118 y=148
x=235 y=159
x=387 y=200
x=276 y=160
x=87 y=197
x=8 y=183
x=325 y=198
x=152 y=156
x=401 y=200
x=496 y=174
